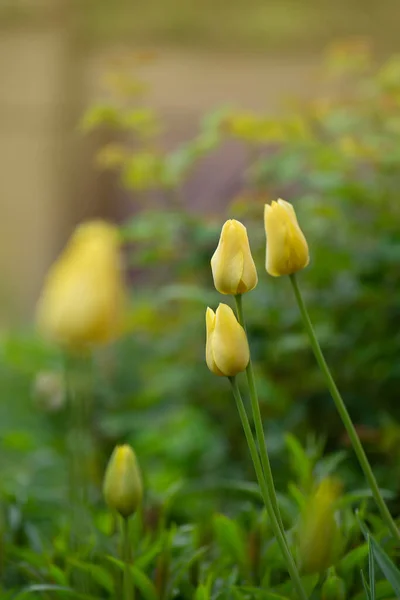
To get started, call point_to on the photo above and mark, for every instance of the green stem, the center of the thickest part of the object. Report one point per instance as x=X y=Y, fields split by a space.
x=77 y=455
x=343 y=412
x=280 y=536
x=255 y=407
x=128 y=587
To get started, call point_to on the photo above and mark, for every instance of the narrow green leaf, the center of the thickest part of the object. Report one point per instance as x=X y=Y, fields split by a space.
x=99 y=574
x=230 y=539
x=371 y=567
x=142 y=582
x=388 y=568
x=300 y=462
x=352 y=559
x=383 y=590
x=258 y=594
x=202 y=593
x=365 y=585
x=44 y=587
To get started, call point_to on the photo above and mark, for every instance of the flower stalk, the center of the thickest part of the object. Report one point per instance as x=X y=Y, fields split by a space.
x=343 y=412
x=128 y=587
x=279 y=534
x=255 y=407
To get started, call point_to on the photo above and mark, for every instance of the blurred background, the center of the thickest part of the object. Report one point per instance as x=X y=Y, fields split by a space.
x=168 y=117
x=53 y=58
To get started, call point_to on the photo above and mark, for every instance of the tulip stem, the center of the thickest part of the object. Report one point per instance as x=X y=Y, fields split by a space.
x=255 y=407
x=343 y=412
x=77 y=460
x=279 y=534
x=128 y=587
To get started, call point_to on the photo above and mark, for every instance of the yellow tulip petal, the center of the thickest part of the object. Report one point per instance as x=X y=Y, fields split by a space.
x=287 y=249
x=229 y=343
x=83 y=297
x=232 y=265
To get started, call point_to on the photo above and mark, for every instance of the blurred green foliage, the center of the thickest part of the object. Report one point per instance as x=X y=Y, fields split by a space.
x=202 y=533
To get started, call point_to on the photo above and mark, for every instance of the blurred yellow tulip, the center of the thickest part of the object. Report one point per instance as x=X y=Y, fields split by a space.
x=122 y=487
x=319 y=535
x=232 y=264
x=227 y=349
x=82 y=300
x=287 y=249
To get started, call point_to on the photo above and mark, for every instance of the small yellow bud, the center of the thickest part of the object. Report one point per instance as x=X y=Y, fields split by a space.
x=81 y=303
x=287 y=249
x=227 y=349
x=122 y=487
x=232 y=264
x=319 y=532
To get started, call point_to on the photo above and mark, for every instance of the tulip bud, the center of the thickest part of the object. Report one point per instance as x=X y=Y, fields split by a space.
x=232 y=264
x=334 y=588
x=319 y=532
x=287 y=249
x=227 y=349
x=82 y=300
x=122 y=487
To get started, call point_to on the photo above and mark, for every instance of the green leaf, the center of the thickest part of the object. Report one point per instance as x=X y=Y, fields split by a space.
x=44 y=587
x=202 y=593
x=57 y=575
x=383 y=591
x=353 y=559
x=256 y=593
x=388 y=568
x=142 y=582
x=230 y=539
x=366 y=586
x=99 y=574
x=371 y=567
x=356 y=496
x=300 y=462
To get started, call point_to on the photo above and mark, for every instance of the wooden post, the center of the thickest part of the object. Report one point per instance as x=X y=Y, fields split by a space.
x=40 y=103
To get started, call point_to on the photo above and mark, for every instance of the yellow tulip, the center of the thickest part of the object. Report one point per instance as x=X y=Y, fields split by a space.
x=227 y=349
x=319 y=535
x=82 y=300
x=232 y=264
x=287 y=249
x=122 y=487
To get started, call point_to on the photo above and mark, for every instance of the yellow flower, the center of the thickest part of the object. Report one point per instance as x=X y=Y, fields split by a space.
x=122 y=487
x=232 y=264
x=82 y=301
x=227 y=349
x=319 y=535
x=287 y=249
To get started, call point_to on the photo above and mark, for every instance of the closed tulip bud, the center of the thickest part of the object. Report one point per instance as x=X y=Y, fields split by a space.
x=232 y=264
x=227 y=349
x=319 y=532
x=122 y=487
x=334 y=588
x=82 y=300
x=287 y=249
